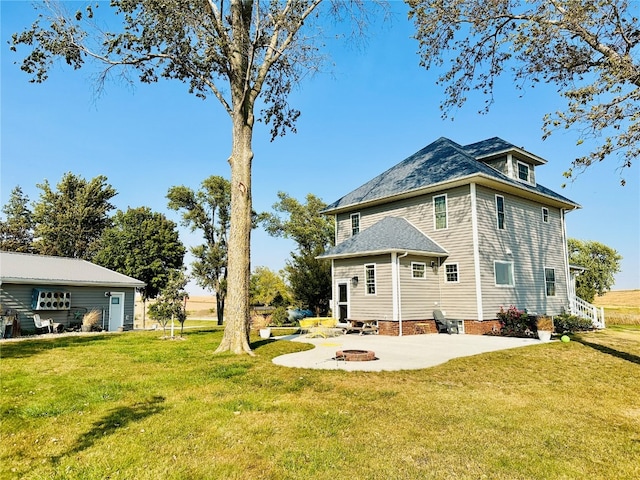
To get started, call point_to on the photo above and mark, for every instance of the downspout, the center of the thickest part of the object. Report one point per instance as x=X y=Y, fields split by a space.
x=399 y=293
x=476 y=253
x=571 y=293
x=334 y=293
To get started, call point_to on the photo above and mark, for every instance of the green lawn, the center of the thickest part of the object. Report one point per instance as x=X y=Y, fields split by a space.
x=132 y=406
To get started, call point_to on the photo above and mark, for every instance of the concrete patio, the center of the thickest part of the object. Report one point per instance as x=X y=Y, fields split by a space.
x=395 y=353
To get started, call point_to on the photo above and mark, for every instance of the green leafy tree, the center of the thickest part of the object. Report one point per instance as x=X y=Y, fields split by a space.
x=587 y=49
x=70 y=220
x=16 y=230
x=601 y=263
x=269 y=288
x=310 y=280
x=170 y=304
x=207 y=211
x=144 y=245
x=308 y=277
x=248 y=54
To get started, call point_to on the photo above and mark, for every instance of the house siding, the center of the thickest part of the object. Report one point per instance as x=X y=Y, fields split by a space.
x=534 y=246
x=457 y=299
x=418 y=295
x=18 y=297
x=361 y=305
x=471 y=239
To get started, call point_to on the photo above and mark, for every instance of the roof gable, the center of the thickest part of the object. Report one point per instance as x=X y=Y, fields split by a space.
x=27 y=268
x=391 y=234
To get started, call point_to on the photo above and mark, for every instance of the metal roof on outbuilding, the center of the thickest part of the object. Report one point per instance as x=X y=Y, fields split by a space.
x=25 y=268
x=391 y=234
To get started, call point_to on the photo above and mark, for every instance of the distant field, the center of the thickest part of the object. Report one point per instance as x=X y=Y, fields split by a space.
x=621 y=307
x=201 y=307
x=198 y=307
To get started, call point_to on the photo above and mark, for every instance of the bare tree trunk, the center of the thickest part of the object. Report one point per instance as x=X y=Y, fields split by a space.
x=236 y=332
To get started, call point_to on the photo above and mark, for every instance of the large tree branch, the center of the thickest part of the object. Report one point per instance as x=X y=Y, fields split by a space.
x=276 y=49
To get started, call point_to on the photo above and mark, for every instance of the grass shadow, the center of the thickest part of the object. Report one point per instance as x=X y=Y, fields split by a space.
x=629 y=357
x=256 y=344
x=27 y=348
x=115 y=420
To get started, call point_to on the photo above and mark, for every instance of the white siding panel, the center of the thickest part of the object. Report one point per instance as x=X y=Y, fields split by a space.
x=530 y=244
x=456 y=299
x=362 y=306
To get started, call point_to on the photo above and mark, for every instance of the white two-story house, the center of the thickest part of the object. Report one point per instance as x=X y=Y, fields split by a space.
x=463 y=229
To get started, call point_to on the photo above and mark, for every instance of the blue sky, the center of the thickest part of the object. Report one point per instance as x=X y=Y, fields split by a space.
x=373 y=108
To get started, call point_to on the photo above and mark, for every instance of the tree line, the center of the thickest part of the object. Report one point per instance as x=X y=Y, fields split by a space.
x=74 y=220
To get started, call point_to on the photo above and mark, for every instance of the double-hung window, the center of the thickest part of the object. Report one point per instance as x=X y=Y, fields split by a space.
x=503 y=274
x=418 y=270
x=440 y=212
x=500 y=212
x=550 y=281
x=451 y=273
x=355 y=223
x=370 y=278
x=523 y=172
x=545 y=214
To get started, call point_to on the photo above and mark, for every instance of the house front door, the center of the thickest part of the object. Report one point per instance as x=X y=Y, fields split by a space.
x=343 y=301
x=116 y=310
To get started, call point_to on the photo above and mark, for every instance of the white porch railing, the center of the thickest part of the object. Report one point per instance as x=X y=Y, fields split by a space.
x=584 y=309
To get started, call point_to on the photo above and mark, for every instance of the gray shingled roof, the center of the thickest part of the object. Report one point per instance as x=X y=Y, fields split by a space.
x=391 y=234
x=440 y=162
x=25 y=268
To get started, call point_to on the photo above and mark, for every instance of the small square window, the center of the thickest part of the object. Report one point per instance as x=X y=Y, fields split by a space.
x=418 y=270
x=451 y=273
x=503 y=274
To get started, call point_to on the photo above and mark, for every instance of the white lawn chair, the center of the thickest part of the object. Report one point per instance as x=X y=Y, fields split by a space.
x=43 y=323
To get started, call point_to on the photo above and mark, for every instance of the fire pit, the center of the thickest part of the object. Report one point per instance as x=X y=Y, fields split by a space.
x=355 y=355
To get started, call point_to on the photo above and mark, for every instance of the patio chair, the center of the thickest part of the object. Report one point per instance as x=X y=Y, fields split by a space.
x=43 y=323
x=444 y=324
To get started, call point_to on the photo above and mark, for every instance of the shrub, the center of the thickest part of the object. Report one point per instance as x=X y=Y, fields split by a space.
x=91 y=320
x=279 y=317
x=516 y=323
x=566 y=323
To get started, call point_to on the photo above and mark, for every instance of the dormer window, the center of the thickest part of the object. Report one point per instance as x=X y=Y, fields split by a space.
x=524 y=172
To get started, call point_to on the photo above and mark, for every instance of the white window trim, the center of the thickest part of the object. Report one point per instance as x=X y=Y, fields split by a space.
x=446 y=212
x=351 y=217
x=504 y=213
x=545 y=215
x=529 y=172
x=444 y=270
x=495 y=279
x=555 y=282
x=424 y=272
x=375 y=280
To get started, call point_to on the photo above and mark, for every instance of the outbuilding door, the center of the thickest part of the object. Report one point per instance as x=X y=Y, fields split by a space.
x=116 y=311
